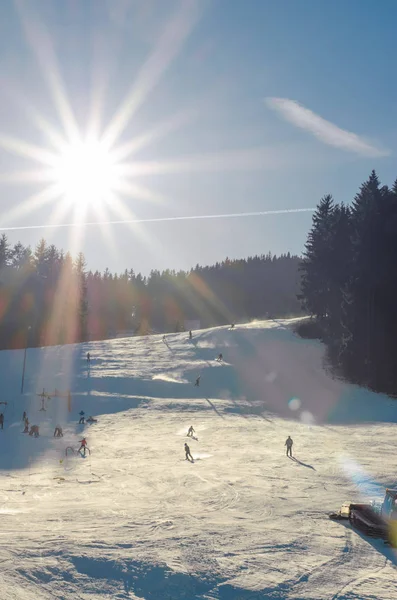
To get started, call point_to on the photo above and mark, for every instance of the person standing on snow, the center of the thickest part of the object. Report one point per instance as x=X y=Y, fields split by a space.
x=24 y=416
x=26 y=430
x=81 y=413
x=83 y=446
x=197 y=384
x=1 y=420
x=187 y=453
x=58 y=431
x=88 y=358
x=190 y=431
x=190 y=335
x=289 y=443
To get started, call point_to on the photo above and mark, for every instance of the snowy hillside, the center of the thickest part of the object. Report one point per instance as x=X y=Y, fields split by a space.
x=136 y=520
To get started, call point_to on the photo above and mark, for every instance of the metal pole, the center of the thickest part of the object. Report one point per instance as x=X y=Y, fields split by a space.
x=24 y=360
x=23 y=370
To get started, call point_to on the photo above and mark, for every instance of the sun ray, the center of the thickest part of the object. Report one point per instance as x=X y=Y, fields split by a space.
x=31 y=204
x=27 y=176
x=141 y=192
x=40 y=42
x=160 y=130
x=26 y=150
x=168 y=47
x=246 y=159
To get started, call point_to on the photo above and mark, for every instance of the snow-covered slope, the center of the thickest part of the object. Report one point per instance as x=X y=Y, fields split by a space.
x=136 y=520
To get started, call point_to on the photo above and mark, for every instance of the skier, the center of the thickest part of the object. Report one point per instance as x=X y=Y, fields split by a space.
x=232 y=326
x=34 y=430
x=83 y=446
x=197 y=384
x=220 y=358
x=58 y=431
x=190 y=335
x=88 y=358
x=187 y=453
x=81 y=413
x=26 y=430
x=190 y=431
x=24 y=416
x=1 y=420
x=289 y=443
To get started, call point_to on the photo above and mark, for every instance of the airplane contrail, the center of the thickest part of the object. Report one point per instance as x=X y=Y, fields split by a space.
x=259 y=213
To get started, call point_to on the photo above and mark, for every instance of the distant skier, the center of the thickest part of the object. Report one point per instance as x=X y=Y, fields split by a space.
x=187 y=453
x=26 y=430
x=220 y=358
x=232 y=326
x=1 y=420
x=190 y=335
x=58 y=431
x=197 y=384
x=88 y=359
x=83 y=446
x=24 y=416
x=164 y=339
x=81 y=413
x=34 y=430
x=190 y=431
x=289 y=443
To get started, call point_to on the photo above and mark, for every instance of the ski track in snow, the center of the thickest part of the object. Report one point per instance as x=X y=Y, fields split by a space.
x=136 y=520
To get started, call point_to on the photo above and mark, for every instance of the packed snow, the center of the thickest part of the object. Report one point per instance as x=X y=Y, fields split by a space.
x=135 y=520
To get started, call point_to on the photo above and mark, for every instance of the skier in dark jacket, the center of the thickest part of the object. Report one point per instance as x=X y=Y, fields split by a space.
x=34 y=430
x=197 y=384
x=187 y=453
x=190 y=431
x=26 y=430
x=289 y=443
x=190 y=335
x=1 y=420
x=58 y=431
x=88 y=358
x=81 y=413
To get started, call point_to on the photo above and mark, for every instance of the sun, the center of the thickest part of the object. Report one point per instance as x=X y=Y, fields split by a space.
x=85 y=174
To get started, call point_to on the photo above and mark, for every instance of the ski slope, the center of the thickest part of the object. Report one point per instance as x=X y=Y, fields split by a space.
x=136 y=520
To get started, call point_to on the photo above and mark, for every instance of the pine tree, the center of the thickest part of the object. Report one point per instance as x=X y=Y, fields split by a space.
x=317 y=261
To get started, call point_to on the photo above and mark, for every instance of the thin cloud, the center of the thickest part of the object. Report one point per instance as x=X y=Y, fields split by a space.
x=325 y=131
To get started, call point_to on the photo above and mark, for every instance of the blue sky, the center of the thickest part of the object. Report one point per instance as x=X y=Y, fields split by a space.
x=256 y=106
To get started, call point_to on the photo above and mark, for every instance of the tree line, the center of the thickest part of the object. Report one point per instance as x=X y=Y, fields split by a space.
x=349 y=283
x=47 y=297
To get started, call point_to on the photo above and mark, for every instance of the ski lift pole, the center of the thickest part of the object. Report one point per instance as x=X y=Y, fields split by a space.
x=24 y=360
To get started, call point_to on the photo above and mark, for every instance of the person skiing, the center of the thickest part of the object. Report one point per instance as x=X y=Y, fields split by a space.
x=220 y=357
x=289 y=443
x=190 y=431
x=34 y=430
x=58 y=431
x=187 y=453
x=26 y=430
x=88 y=358
x=232 y=326
x=190 y=335
x=24 y=415
x=83 y=446
x=197 y=384
x=81 y=413
x=1 y=420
